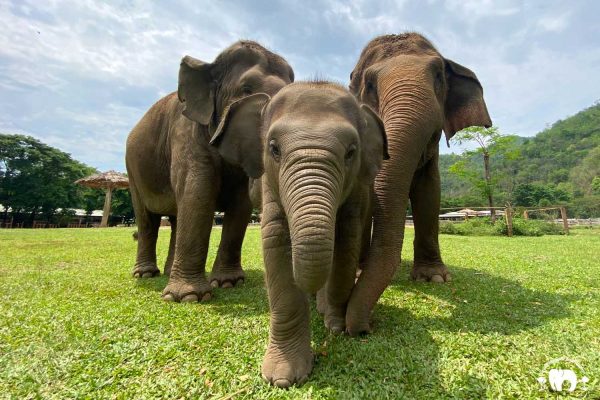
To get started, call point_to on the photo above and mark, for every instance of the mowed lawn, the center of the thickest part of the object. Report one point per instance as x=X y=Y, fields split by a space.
x=75 y=324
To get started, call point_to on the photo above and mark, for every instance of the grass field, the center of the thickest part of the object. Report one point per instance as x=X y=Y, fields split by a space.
x=76 y=325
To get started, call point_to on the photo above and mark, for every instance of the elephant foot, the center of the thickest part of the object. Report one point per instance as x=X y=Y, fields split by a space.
x=335 y=321
x=357 y=327
x=147 y=270
x=334 y=317
x=187 y=290
x=322 y=301
x=283 y=367
x=430 y=272
x=226 y=276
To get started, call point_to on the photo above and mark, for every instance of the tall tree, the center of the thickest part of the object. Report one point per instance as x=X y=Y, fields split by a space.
x=489 y=142
x=37 y=178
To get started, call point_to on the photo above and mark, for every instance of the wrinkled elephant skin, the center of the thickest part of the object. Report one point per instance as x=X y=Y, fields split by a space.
x=320 y=151
x=417 y=93
x=174 y=171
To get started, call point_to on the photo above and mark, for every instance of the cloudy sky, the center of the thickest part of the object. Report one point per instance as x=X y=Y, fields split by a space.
x=79 y=74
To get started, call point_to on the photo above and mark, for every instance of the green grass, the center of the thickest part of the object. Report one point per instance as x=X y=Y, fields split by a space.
x=76 y=325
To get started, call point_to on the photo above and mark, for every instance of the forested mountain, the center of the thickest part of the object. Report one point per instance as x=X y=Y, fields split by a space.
x=560 y=165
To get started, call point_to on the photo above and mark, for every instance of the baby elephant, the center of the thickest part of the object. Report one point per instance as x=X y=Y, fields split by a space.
x=320 y=151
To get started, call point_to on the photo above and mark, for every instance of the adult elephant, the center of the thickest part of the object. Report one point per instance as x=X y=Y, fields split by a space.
x=417 y=93
x=174 y=171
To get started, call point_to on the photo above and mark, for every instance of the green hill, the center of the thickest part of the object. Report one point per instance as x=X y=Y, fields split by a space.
x=558 y=165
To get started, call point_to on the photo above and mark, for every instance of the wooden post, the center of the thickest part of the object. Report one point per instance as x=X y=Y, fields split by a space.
x=563 y=214
x=106 y=209
x=525 y=214
x=509 y=220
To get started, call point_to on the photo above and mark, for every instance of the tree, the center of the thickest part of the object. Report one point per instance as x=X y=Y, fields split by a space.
x=489 y=142
x=122 y=205
x=539 y=194
x=586 y=171
x=596 y=185
x=37 y=178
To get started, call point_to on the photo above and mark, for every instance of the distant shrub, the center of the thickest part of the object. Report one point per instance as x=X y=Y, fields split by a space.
x=484 y=227
x=450 y=228
x=471 y=227
x=529 y=227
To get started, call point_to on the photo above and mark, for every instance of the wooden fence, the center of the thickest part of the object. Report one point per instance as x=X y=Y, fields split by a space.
x=509 y=213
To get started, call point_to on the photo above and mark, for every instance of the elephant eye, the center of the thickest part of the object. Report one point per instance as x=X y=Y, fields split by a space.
x=246 y=90
x=350 y=153
x=274 y=150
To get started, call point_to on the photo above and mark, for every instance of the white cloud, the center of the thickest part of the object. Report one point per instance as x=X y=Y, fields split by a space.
x=557 y=23
x=475 y=9
x=79 y=74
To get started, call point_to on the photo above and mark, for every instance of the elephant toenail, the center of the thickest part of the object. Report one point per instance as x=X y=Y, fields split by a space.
x=190 y=298
x=168 y=297
x=147 y=275
x=136 y=274
x=282 y=383
x=337 y=330
x=437 y=279
x=206 y=297
x=214 y=284
x=420 y=279
x=227 y=285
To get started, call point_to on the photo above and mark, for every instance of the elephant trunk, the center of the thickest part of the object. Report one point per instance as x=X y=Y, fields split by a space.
x=409 y=111
x=309 y=190
x=406 y=108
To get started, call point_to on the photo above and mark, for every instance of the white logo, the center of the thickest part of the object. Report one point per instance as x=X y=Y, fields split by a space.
x=561 y=378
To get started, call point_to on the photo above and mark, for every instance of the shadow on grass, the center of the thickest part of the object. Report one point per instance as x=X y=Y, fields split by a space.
x=401 y=359
x=485 y=303
x=245 y=300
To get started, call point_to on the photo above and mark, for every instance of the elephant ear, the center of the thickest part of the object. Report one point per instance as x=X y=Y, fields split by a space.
x=464 y=102
x=238 y=138
x=374 y=145
x=196 y=90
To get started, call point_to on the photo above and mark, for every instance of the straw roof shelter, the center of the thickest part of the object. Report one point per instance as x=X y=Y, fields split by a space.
x=468 y=212
x=109 y=180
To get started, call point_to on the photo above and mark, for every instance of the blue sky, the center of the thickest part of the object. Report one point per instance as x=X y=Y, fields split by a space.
x=79 y=74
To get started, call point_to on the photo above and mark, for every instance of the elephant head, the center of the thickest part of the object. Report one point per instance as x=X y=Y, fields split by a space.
x=316 y=144
x=244 y=68
x=417 y=92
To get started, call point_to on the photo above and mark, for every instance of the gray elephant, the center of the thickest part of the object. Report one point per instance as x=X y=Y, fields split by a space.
x=174 y=171
x=321 y=151
x=417 y=93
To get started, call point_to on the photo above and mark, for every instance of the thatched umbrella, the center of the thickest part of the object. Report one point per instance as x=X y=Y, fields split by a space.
x=108 y=180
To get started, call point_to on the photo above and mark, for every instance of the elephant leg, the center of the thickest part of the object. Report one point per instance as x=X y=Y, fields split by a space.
x=172 y=240
x=147 y=225
x=345 y=262
x=389 y=215
x=288 y=359
x=425 y=202
x=365 y=241
x=195 y=214
x=227 y=269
